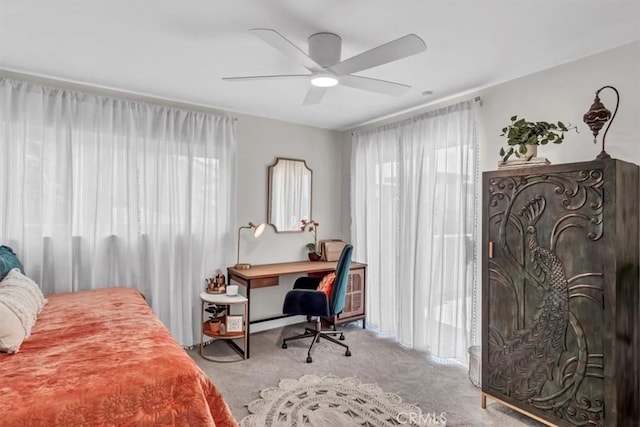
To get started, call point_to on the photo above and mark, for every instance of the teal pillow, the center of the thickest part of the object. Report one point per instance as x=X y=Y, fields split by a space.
x=8 y=261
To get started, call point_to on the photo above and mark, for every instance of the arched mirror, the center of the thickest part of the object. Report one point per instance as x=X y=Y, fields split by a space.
x=289 y=194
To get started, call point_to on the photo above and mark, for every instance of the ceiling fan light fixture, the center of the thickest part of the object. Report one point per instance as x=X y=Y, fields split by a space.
x=323 y=60
x=324 y=80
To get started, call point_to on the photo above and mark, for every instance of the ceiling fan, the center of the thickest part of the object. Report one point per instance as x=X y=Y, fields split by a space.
x=328 y=70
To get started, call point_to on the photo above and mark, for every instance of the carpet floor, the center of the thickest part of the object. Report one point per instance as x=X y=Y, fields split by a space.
x=435 y=388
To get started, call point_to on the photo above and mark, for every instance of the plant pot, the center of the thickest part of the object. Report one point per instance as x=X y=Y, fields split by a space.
x=532 y=151
x=214 y=325
x=314 y=256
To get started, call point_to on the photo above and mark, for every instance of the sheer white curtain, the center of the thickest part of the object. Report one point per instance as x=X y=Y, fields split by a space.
x=98 y=192
x=413 y=221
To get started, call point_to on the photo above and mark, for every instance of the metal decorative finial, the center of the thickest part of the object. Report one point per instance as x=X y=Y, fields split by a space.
x=597 y=116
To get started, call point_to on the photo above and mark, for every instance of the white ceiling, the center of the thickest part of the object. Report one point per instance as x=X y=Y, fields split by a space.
x=180 y=49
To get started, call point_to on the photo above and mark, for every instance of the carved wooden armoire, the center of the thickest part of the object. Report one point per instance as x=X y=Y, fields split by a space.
x=560 y=292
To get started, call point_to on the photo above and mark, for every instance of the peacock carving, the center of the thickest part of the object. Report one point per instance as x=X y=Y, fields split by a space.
x=522 y=363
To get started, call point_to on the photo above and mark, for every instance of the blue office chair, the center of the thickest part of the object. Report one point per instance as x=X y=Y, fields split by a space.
x=305 y=300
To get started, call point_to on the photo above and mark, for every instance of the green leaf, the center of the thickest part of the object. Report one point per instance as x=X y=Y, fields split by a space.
x=514 y=118
x=544 y=141
x=502 y=152
x=522 y=149
x=509 y=153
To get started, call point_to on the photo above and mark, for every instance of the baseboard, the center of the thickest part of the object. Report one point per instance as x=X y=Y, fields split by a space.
x=277 y=323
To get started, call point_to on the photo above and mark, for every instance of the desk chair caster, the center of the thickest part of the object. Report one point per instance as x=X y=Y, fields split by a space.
x=310 y=360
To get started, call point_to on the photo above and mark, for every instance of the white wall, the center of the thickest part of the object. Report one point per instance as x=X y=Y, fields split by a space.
x=260 y=141
x=565 y=93
x=562 y=93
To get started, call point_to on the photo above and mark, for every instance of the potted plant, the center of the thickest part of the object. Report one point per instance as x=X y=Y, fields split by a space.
x=523 y=137
x=312 y=226
x=214 y=325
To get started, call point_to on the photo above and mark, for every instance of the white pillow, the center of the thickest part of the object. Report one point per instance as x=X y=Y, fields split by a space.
x=11 y=330
x=16 y=280
x=21 y=300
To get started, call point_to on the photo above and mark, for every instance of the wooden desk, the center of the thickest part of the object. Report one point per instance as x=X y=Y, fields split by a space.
x=261 y=276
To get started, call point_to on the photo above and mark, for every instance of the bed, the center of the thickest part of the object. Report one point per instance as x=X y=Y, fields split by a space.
x=101 y=357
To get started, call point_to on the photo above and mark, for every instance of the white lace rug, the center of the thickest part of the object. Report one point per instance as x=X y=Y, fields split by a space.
x=330 y=402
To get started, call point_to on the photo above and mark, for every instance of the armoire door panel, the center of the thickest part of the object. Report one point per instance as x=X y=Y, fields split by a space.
x=544 y=292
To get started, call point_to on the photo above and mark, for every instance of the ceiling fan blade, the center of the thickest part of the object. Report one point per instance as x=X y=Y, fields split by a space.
x=314 y=96
x=383 y=54
x=374 y=85
x=279 y=42
x=276 y=77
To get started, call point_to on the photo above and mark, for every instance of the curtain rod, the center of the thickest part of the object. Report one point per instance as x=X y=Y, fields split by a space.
x=477 y=100
x=103 y=90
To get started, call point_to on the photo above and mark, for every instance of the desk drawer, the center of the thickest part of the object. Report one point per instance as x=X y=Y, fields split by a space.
x=263 y=282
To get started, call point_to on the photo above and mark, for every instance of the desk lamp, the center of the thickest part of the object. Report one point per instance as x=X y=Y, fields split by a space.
x=257 y=231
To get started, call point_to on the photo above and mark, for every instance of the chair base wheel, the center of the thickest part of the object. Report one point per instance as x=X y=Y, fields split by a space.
x=284 y=345
x=341 y=337
x=309 y=359
x=347 y=353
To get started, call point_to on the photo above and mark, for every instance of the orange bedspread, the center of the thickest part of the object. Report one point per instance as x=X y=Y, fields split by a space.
x=102 y=358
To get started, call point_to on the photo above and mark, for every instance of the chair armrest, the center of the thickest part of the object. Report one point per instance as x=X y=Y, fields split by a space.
x=306 y=302
x=307 y=283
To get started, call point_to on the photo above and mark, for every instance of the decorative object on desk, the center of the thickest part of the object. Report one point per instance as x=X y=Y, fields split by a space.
x=598 y=115
x=331 y=249
x=523 y=137
x=312 y=226
x=232 y=290
x=332 y=401
x=234 y=323
x=257 y=231
x=313 y=256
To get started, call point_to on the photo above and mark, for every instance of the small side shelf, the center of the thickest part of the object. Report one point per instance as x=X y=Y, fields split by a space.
x=206 y=330
x=227 y=302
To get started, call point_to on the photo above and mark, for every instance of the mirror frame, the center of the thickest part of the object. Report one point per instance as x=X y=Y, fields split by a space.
x=269 y=193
